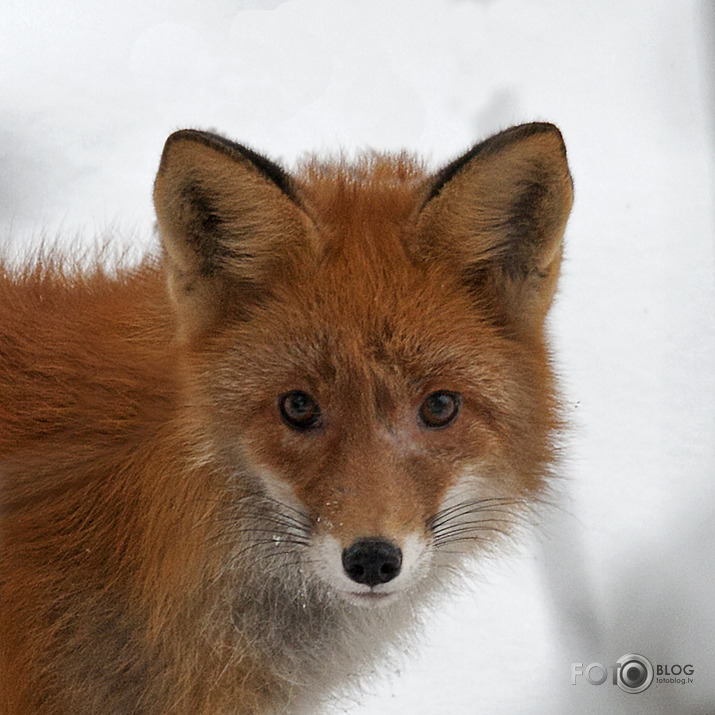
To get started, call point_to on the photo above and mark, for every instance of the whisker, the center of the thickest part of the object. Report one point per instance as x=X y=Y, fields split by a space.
x=229 y=536
x=274 y=519
x=291 y=552
x=277 y=516
x=295 y=514
x=508 y=514
x=481 y=504
x=475 y=525
x=258 y=544
x=479 y=500
x=268 y=545
x=472 y=536
x=450 y=567
x=301 y=517
x=261 y=530
x=475 y=537
x=481 y=525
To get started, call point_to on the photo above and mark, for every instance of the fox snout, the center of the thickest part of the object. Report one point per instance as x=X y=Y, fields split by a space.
x=370 y=569
x=372 y=561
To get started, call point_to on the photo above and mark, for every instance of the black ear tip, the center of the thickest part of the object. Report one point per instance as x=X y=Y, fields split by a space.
x=521 y=132
x=548 y=128
x=554 y=133
x=539 y=128
x=240 y=153
x=194 y=135
x=493 y=146
x=182 y=135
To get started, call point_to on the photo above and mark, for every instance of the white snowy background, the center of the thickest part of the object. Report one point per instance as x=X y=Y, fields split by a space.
x=89 y=91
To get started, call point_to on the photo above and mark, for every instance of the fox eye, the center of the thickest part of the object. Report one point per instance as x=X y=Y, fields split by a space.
x=440 y=409
x=299 y=410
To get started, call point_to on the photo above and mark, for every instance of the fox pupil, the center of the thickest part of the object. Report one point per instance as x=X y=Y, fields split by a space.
x=299 y=410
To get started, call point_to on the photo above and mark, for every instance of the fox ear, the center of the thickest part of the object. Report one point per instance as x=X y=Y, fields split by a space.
x=229 y=220
x=500 y=211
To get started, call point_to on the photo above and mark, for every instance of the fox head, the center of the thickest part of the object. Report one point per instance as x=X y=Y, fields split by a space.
x=364 y=346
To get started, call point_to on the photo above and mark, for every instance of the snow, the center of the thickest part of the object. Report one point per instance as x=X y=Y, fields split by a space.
x=88 y=95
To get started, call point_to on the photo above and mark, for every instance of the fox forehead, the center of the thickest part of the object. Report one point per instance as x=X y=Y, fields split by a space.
x=362 y=303
x=361 y=320
x=356 y=338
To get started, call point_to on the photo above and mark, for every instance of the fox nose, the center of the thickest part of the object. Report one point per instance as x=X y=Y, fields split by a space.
x=372 y=561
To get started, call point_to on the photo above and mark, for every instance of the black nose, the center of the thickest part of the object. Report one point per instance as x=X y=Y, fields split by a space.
x=372 y=561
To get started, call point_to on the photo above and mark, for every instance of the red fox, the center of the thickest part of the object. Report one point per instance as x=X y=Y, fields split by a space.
x=228 y=475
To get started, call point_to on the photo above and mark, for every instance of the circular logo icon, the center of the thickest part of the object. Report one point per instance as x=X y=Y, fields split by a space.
x=635 y=673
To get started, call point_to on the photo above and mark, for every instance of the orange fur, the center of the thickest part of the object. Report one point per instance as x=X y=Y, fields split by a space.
x=169 y=543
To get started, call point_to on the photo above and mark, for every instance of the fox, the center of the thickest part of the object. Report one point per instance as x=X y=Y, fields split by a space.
x=234 y=473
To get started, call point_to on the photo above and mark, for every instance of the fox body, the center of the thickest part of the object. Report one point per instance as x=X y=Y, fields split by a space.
x=229 y=474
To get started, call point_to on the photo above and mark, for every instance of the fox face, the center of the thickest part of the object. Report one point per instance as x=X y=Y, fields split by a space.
x=363 y=348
